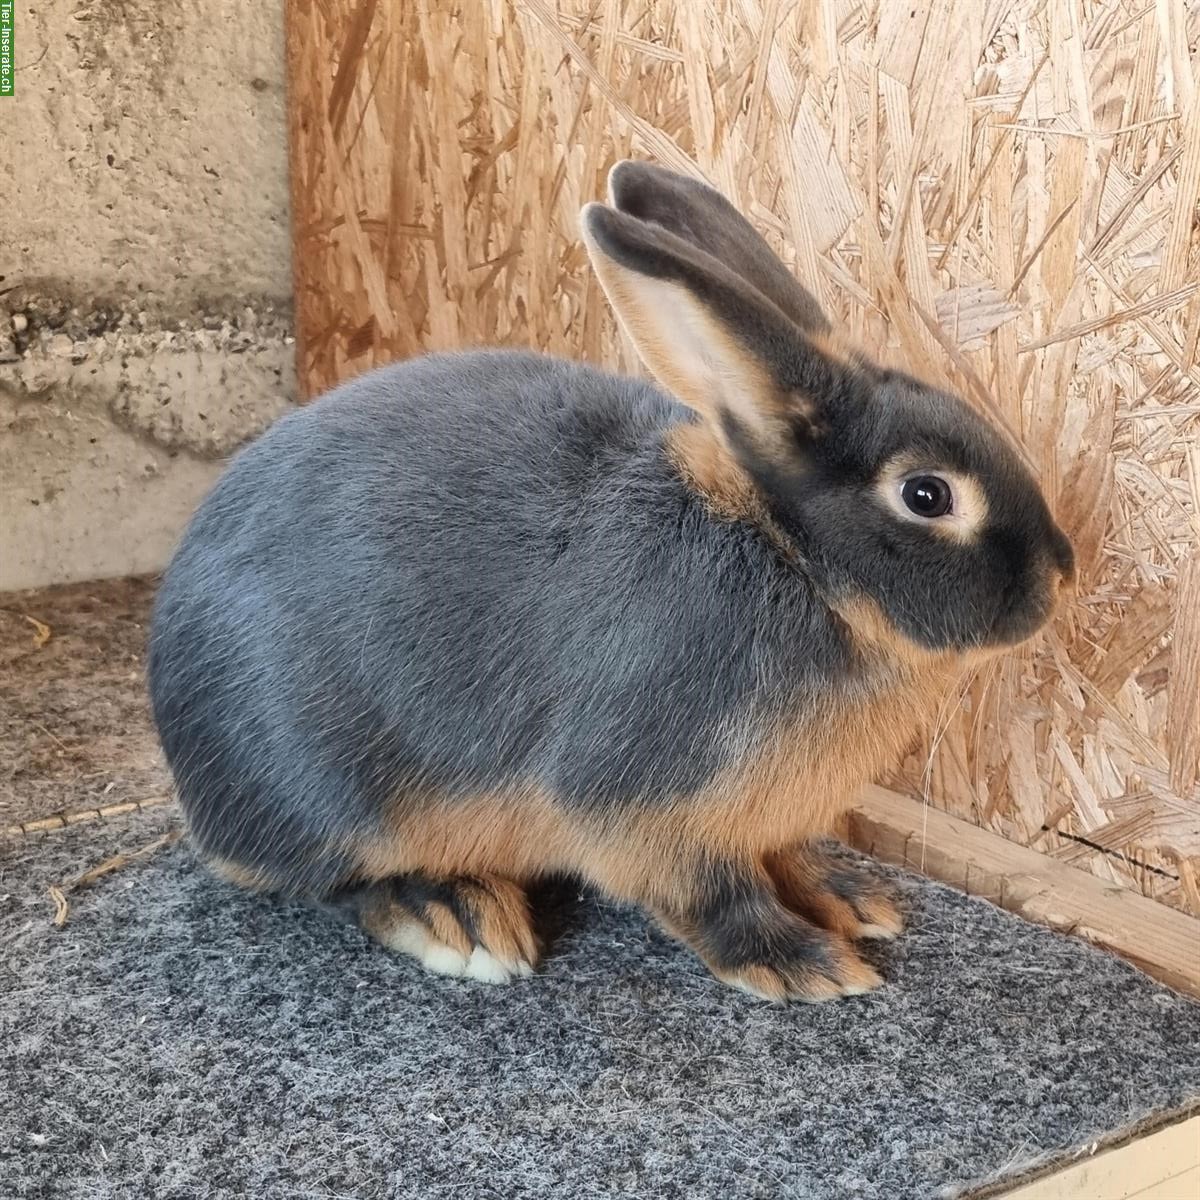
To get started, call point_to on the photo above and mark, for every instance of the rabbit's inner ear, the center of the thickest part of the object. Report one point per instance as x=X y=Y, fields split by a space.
x=689 y=352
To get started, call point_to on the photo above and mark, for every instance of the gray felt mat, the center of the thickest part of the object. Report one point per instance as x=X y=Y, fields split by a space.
x=180 y=1039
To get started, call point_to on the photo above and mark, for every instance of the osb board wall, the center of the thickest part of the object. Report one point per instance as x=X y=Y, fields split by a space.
x=1001 y=195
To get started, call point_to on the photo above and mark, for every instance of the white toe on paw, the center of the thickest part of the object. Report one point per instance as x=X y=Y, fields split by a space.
x=487 y=968
x=405 y=938
x=412 y=938
x=443 y=960
x=876 y=933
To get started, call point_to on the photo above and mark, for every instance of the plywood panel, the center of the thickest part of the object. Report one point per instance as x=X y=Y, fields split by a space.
x=998 y=195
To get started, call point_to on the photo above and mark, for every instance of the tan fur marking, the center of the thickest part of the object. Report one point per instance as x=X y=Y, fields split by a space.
x=706 y=465
x=800 y=780
x=880 y=918
x=792 y=790
x=879 y=640
x=240 y=876
x=517 y=837
x=963 y=523
x=639 y=302
x=796 y=788
x=856 y=975
x=847 y=974
x=501 y=912
x=831 y=912
x=688 y=350
x=437 y=937
x=447 y=928
x=812 y=900
x=528 y=835
x=769 y=985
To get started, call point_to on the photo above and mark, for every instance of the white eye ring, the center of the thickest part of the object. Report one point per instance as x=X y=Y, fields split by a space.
x=962 y=521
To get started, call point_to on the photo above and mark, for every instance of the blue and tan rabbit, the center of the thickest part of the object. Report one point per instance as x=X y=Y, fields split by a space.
x=477 y=618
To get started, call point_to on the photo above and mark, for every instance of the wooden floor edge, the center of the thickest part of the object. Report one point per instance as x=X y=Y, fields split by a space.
x=1159 y=940
x=1162 y=1164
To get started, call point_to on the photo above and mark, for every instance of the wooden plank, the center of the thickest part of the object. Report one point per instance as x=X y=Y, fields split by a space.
x=1161 y=1166
x=1159 y=940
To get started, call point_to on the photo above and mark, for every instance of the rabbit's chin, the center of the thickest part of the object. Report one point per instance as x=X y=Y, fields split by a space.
x=1023 y=619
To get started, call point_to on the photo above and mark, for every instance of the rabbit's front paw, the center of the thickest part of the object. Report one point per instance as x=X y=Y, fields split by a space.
x=737 y=923
x=833 y=894
x=477 y=927
x=815 y=967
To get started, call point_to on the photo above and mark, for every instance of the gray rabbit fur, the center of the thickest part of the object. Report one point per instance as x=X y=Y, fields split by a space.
x=477 y=618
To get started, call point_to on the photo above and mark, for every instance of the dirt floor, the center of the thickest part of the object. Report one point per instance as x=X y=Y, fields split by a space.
x=75 y=729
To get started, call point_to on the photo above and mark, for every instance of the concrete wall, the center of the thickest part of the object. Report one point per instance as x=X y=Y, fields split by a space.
x=145 y=312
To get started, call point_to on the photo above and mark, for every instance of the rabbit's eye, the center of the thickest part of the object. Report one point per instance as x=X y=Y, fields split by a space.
x=927 y=496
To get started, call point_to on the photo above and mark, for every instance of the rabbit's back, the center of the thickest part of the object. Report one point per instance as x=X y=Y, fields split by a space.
x=461 y=576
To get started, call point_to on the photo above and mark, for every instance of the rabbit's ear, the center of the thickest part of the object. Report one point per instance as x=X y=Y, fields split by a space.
x=708 y=336
x=703 y=217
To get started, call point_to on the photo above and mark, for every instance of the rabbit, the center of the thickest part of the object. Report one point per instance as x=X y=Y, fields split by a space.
x=482 y=617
